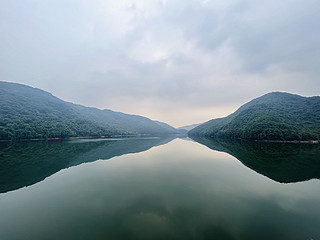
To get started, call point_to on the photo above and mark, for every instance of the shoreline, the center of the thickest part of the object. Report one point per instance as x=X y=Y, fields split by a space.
x=292 y=141
x=88 y=137
x=85 y=137
x=313 y=141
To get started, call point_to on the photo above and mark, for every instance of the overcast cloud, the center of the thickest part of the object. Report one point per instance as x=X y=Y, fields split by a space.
x=179 y=61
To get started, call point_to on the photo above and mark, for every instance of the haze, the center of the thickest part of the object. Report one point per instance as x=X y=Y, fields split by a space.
x=180 y=61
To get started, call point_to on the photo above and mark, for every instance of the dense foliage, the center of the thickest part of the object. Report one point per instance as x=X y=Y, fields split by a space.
x=274 y=116
x=28 y=113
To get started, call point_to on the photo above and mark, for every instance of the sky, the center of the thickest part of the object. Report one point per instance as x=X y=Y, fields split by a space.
x=176 y=61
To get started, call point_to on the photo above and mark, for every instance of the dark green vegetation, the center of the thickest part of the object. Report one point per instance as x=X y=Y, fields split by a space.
x=274 y=116
x=281 y=162
x=26 y=163
x=28 y=113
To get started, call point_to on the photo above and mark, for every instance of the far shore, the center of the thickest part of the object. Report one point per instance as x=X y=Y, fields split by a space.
x=86 y=137
x=313 y=141
x=293 y=141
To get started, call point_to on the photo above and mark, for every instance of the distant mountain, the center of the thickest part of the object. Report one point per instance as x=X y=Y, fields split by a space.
x=281 y=162
x=189 y=127
x=27 y=113
x=274 y=116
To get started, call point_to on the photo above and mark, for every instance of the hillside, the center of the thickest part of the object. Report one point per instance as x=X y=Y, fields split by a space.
x=27 y=113
x=274 y=116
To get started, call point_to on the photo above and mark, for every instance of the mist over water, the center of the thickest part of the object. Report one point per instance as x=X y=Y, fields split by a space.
x=145 y=189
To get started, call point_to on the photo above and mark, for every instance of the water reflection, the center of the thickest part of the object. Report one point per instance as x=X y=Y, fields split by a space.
x=281 y=162
x=26 y=163
x=180 y=190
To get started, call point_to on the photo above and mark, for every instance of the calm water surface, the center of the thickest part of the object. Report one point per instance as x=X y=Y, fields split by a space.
x=157 y=189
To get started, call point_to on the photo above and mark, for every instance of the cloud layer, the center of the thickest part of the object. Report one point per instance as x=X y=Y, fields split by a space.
x=178 y=61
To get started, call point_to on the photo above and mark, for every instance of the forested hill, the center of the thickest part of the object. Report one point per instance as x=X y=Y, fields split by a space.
x=274 y=116
x=28 y=113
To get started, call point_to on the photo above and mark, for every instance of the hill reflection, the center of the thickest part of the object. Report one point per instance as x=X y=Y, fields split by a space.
x=281 y=162
x=26 y=163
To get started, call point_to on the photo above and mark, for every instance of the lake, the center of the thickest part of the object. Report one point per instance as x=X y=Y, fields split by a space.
x=159 y=188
